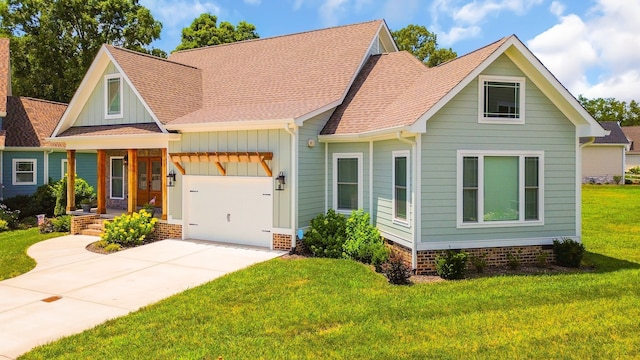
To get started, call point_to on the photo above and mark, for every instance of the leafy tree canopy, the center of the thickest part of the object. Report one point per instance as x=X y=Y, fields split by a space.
x=610 y=109
x=422 y=44
x=53 y=42
x=204 y=31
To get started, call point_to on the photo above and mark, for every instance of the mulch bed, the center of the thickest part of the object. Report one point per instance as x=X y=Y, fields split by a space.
x=100 y=250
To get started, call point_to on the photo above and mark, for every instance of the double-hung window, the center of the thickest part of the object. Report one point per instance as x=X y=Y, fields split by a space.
x=117 y=177
x=113 y=96
x=400 y=186
x=24 y=172
x=500 y=188
x=347 y=182
x=501 y=99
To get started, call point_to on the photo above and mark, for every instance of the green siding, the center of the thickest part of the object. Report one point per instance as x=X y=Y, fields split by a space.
x=360 y=147
x=311 y=170
x=456 y=127
x=93 y=113
x=276 y=140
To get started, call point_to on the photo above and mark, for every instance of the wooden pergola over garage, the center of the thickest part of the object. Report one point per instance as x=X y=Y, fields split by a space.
x=218 y=158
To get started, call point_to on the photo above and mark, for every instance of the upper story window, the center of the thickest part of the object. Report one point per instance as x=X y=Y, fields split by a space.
x=501 y=99
x=24 y=172
x=113 y=96
x=347 y=182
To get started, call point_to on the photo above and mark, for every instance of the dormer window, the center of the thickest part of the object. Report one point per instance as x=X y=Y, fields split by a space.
x=501 y=100
x=113 y=96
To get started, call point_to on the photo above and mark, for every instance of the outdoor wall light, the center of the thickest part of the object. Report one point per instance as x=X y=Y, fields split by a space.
x=125 y=160
x=280 y=180
x=171 y=178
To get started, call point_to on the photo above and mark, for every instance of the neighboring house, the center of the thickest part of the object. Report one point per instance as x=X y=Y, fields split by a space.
x=27 y=159
x=632 y=156
x=479 y=153
x=604 y=157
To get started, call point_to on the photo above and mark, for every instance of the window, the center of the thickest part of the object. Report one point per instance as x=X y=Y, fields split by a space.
x=117 y=177
x=400 y=186
x=501 y=99
x=64 y=165
x=499 y=188
x=113 y=96
x=347 y=184
x=24 y=172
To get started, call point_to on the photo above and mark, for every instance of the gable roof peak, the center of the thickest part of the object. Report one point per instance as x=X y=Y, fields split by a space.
x=110 y=48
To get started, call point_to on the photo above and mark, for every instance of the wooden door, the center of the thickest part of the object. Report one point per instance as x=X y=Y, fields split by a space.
x=149 y=180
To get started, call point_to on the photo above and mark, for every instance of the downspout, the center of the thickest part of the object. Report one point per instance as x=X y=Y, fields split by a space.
x=326 y=177
x=293 y=181
x=45 y=174
x=591 y=140
x=371 y=181
x=414 y=247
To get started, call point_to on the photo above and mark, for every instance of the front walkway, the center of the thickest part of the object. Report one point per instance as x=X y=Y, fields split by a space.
x=72 y=289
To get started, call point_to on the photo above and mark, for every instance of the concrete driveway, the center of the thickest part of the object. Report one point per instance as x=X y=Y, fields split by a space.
x=72 y=289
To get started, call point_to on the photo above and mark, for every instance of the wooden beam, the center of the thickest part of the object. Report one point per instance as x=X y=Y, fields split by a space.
x=71 y=180
x=164 y=184
x=132 y=173
x=102 y=182
x=266 y=168
x=221 y=169
x=223 y=157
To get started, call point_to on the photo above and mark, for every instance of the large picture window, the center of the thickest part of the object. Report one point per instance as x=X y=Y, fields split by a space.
x=400 y=186
x=24 y=172
x=501 y=99
x=347 y=182
x=498 y=188
x=117 y=177
x=113 y=96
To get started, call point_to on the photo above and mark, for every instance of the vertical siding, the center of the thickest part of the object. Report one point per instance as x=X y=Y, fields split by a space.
x=456 y=127
x=360 y=147
x=277 y=141
x=311 y=170
x=93 y=111
x=10 y=190
x=382 y=211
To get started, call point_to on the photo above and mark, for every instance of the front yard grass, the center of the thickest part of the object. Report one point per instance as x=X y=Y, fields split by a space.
x=323 y=308
x=13 y=251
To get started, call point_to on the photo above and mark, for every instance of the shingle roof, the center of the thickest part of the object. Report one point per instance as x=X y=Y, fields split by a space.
x=4 y=73
x=277 y=78
x=633 y=134
x=616 y=135
x=396 y=89
x=29 y=121
x=170 y=89
x=104 y=130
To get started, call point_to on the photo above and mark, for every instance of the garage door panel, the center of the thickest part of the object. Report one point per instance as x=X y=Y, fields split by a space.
x=237 y=210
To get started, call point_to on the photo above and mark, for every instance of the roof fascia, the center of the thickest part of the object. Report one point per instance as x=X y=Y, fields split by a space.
x=142 y=141
x=332 y=106
x=31 y=148
x=232 y=125
x=376 y=135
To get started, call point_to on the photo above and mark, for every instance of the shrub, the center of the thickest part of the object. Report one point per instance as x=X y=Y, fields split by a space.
x=513 y=262
x=363 y=240
x=568 y=252
x=10 y=216
x=452 y=264
x=541 y=259
x=62 y=223
x=28 y=222
x=82 y=191
x=380 y=256
x=101 y=244
x=479 y=262
x=326 y=235
x=113 y=248
x=129 y=230
x=4 y=226
x=46 y=226
x=396 y=271
x=635 y=170
x=617 y=179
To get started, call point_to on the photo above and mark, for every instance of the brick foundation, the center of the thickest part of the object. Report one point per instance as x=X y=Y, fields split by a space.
x=81 y=222
x=281 y=242
x=164 y=230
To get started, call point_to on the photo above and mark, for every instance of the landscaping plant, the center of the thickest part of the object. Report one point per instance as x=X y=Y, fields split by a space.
x=395 y=269
x=363 y=240
x=452 y=264
x=568 y=252
x=326 y=235
x=82 y=191
x=129 y=230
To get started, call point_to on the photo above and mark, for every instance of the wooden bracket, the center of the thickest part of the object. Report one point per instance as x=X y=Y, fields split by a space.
x=223 y=157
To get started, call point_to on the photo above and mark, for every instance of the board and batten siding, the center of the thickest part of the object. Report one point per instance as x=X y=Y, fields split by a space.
x=93 y=112
x=382 y=210
x=455 y=127
x=359 y=147
x=311 y=170
x=275 y=140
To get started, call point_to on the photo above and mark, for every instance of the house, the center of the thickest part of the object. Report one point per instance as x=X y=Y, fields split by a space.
x=632 y=156
x=247 y=142
x=603 y=158
x=27 y=158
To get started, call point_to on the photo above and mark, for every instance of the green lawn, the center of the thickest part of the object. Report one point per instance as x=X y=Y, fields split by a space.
x=320 y=308
x=13 y=251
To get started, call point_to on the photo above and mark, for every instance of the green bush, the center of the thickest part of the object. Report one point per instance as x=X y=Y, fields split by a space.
x=513 y=262
x=82 y=191
x=326 y=235
x=568 y=252
x=479 y=262
x=635 y=170
x=380 y=256
x=4 y=225
x=112 y=248
x=46 y=226
x=28 y=222
x=62 y=223
x=10 y=216
x=129 y=230
x=363 y=240
x=452 y=264
x=617 y=179
x=395 y=269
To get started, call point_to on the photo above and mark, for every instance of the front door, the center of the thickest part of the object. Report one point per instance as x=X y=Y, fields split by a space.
x=149 y=180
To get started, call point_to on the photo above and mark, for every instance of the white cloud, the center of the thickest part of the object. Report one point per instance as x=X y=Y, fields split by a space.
x=456 y=34
x=331 y=10
x=477 y=11
x=557 y=8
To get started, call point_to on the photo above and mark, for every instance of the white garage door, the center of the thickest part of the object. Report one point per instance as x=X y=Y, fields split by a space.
x=233 y=209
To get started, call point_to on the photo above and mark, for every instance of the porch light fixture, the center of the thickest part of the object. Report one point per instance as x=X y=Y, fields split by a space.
x=171 y=178
x=280 y=180
x=125 y=160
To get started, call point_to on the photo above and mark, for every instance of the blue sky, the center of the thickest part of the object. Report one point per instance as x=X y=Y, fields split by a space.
x=592 y=46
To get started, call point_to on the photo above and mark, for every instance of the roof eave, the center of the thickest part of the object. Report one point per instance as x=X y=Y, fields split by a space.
x=232 y=125
x=382 y=134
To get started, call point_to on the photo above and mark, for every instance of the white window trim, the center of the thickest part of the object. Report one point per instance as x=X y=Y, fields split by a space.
x=337 y=156
x=106 y=97
x=521 y=188
x=14 y=180
x=493 y=120
x=66 y=161
x=394 y=155
x=111 y=177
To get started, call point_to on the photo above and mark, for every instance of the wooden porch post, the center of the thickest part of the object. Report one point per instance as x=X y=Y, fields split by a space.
x=102 y=182
x=71 y=180
x=132 y=172
x=164 y=184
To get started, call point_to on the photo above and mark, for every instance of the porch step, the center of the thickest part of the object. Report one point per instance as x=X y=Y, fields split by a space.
x=91 y=232
x=95 y=228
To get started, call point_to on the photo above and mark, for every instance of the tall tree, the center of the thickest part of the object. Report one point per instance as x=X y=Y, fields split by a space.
x=422 y=44
x=53 y=42
x=204 y=31
x=610 y=109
